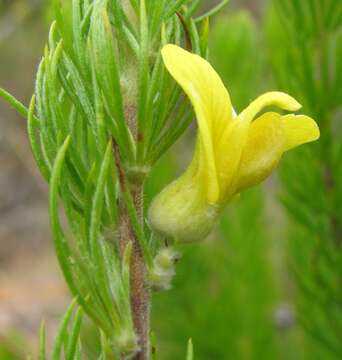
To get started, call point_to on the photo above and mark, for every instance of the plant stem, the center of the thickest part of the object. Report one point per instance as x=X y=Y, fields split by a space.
x=140 y=295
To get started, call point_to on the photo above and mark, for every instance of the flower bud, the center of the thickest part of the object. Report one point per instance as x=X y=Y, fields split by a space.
x=163 y=270
x=127 y=343
x=166 y=258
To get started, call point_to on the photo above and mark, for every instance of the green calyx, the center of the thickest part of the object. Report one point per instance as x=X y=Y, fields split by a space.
x=181 y=214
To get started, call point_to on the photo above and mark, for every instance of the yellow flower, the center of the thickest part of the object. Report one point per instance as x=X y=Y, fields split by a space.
x=233 y=152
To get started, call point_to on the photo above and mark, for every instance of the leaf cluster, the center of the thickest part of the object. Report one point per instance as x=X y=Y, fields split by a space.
x=307 y=62
x=104 y=111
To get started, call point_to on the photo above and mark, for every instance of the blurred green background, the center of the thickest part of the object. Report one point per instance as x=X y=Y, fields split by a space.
x=267 y=284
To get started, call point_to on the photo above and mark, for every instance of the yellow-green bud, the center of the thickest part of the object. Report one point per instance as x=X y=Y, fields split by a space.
x=163 y=269
x=160 y=279
x=127 y=343
x=166 y=258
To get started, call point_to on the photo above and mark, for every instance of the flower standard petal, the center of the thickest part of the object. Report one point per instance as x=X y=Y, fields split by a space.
x=211 y=103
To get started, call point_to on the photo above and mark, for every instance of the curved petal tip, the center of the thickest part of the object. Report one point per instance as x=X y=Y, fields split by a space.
x=299 y=129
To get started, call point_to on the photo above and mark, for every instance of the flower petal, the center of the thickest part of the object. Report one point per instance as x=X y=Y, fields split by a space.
x=210 y=100
x=299 y=129
x=233 y=141
x=269 y=137
x=273 y=98
x=228 y=158
x=263 y=150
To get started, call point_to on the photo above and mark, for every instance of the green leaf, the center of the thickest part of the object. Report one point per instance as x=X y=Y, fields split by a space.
x=16 y=104
x=61 y=246
x=174 y=7
x=42 y=342
x=190 y=351
x=137 y=226
x=212 y=11
x=106 y=64
x=32 y=128
x=193 y=8
x=63 y=14
x=78 y=41
x=98 y=200
x=81 y=92
x=157 y=10
x=74 y=336
x=62 y=332
x=104 y=346
x=144 y=122
x=95 y=236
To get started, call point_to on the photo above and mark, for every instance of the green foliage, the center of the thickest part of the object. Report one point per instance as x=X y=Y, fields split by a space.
x=249 y=275
x=306 y=59
x=104 y=111
x=190 y=351
x=67 y=341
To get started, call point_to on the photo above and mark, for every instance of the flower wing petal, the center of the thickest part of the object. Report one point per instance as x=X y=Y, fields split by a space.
x=210 y=100
x=299 y=129
x=269 y=137
x=233 y=141
x=263 y=150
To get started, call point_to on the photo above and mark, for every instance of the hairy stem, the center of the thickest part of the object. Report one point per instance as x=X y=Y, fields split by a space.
x=140 y=296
